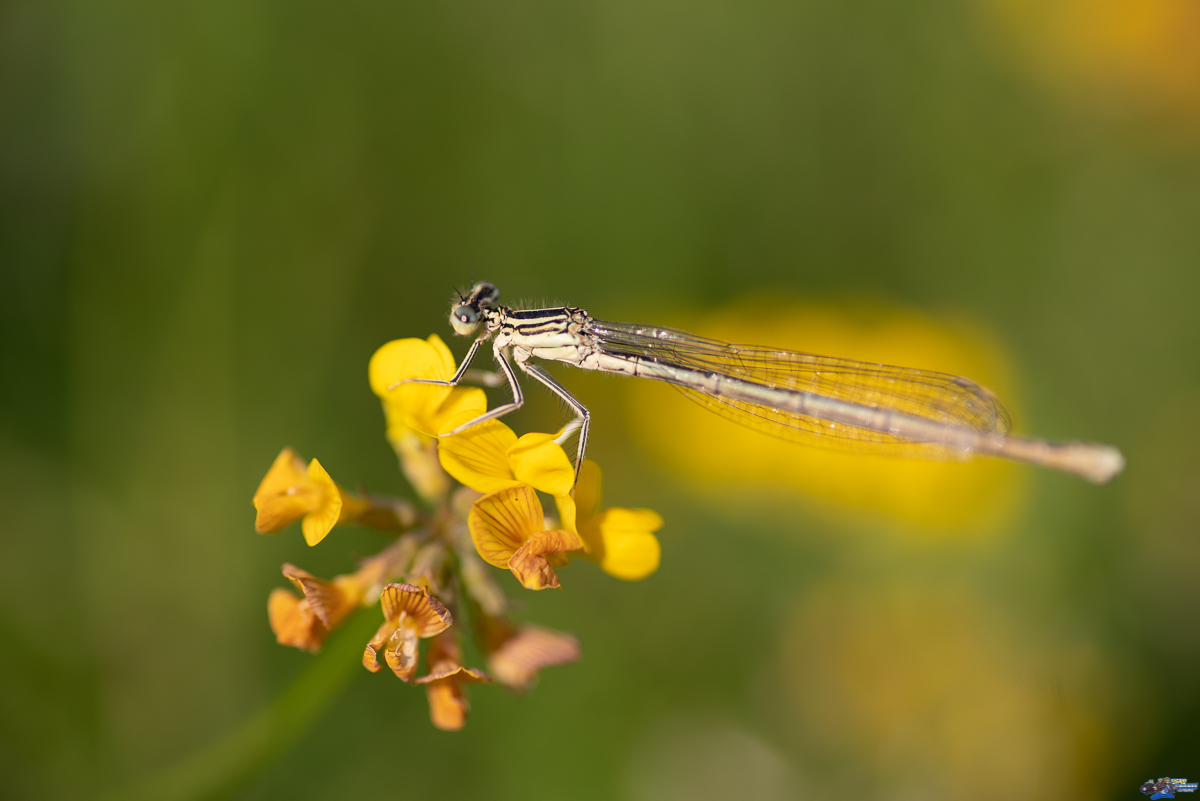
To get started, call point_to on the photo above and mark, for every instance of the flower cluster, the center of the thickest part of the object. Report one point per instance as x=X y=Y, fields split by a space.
x=431 y=581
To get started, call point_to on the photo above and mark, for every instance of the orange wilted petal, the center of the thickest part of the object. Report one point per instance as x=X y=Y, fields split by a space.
x=371 y=652
x=515 y=655
x=501 y=523
x=444 y=684
x=294 y=623
x=329 y=600
x=534 y=562
x=448 y=705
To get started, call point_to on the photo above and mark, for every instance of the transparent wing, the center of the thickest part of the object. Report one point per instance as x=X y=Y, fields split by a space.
x=945 y=399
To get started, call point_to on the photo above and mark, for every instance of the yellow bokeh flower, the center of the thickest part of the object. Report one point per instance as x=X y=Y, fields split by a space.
x=621 y=541
x=932 y=688
x=415 y=413
x=732 y=465
x=509 y=531
x=410 y=614
x=1143 y=53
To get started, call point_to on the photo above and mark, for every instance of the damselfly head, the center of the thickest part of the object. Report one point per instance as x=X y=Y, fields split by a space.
x=465 y=316
x=483 y=294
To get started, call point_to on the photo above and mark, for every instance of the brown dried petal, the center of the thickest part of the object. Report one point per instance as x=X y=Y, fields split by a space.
x=459 y=673
x=427 y=612
x=531 y=564
x=329 y=600
x=371 y=653
x=516 y=660
x=402 y=651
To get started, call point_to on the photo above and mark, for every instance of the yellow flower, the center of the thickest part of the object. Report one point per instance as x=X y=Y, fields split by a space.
x=621 y=541
x=490 y=457
x=448 y=705
x=509 y=531
x=515 y=654
x=410 y=614
x=290 y=492
x=424 y=408
x=417 y=412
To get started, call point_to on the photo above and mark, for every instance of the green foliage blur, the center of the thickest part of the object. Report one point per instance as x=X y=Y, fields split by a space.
x=213 y=212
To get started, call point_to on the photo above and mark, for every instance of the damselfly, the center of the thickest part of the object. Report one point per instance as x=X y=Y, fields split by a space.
x=815 y=400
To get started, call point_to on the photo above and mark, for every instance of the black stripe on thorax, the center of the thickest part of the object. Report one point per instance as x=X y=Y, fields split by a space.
x=534 y=328
x=537 y=314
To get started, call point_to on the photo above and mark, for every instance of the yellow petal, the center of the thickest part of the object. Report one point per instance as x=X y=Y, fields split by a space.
x=460 y=401
x=502 y=521
x=420 y=461
x=412 y=358
x=321 y=520
x=621 y=542
x=537 y=460
x=587 y=491
x=284 y=496
x=478 y=457
x=398 y=424
x=531 y=563
x=566 y=511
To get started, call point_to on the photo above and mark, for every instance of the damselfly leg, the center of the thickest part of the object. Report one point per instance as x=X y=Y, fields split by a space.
x=463 y=373
x=582 y=416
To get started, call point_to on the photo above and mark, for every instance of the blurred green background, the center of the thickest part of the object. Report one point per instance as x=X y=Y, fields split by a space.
x=212 y=212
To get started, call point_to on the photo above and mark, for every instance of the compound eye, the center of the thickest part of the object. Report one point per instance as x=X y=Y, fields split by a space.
x=464 y=319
